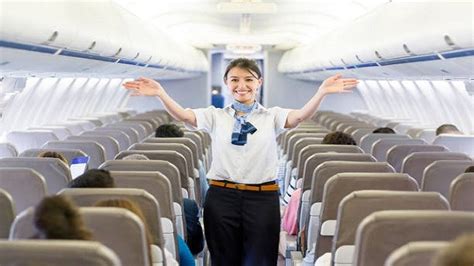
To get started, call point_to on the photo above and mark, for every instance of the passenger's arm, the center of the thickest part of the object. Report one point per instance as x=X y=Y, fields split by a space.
x=334 y=84
x=149 y=87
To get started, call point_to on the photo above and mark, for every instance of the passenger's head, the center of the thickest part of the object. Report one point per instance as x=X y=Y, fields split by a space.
x=448 y=129
x=56 y=217
x=338 y=137
x=385 y=130
x=243 y=78
x=134 y=157
x=470 y=169
x=94 y=178
x=53 y=154
x=458 y=253
x=169 y=131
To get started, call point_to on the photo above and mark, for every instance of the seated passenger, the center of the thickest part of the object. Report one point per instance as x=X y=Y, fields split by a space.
x=133 y=207
x=94 y=178
x=470 y=169
x=53 y=154
x=169 y=131
x=194 y=232
x=385 y=130
x=338 y=138
x=56 y=217
x=458 y=253
x=448 y=129
x=135 y=156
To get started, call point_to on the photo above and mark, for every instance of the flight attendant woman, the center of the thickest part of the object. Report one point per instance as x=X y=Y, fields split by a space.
x=241 y=209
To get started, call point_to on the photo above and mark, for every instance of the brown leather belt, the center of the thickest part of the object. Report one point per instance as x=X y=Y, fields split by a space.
x=238 y=186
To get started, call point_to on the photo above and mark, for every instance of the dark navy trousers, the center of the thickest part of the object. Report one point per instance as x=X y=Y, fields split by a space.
x=242 y=227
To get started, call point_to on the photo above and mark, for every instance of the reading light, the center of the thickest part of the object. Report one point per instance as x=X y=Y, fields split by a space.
x=244 y=48
x=247 y=7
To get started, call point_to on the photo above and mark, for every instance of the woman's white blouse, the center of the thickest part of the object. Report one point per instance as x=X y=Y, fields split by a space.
x=255 y=162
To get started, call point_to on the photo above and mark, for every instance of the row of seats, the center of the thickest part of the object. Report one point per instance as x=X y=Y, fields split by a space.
x=335 y=175
x=175 y=166
x=417 y=130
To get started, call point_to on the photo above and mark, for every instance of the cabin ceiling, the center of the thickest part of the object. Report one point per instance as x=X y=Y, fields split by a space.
x=201 y=24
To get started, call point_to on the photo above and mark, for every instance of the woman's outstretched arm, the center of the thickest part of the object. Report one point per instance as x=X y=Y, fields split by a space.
x=334 y=84
x=149 y=87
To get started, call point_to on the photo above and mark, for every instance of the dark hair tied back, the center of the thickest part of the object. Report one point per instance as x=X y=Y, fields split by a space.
x=244 y=63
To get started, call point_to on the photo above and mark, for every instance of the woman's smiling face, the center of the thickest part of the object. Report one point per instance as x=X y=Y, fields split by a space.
x=243 y=84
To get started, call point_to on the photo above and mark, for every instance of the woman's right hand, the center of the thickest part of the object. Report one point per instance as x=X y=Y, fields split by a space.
x=144 y=87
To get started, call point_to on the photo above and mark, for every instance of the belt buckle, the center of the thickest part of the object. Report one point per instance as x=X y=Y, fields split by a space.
x=241 y=186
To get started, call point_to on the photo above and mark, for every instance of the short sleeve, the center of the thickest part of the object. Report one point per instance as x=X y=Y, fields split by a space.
x=280 y=114
x=205 y=118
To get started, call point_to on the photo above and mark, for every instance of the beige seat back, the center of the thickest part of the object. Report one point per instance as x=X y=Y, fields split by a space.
x=461 y=194
x=26 y=186
x=93 y=149
x=341 y=185
x=359 y=204
x=28 y=139
x=381 y=146
x=120 y=136
x=61 y=132
x=163 y=167
x=380 y=233
x=104 y=223
x=301 y=144
x=415 y=253
x=439 y=175
x=310 y=150
x=328 y=169
x=367 y=141
x=7 y=150
x=154 y=183
x=398 y=153
x=427 y=134
x=457 y=143
x=287 y=135
x=296 y=137
x=69 y=154
x=415 y=163
x=359 y=133
x=110 y=145
x=131 y=132
x=317 y=159
x=7 y=205
x=180 y=148
x=198 y=141
x=87 y=197
x=55 y=172
x=45 y=252
x=139 y=129
x=193 y=147
x=172 y=157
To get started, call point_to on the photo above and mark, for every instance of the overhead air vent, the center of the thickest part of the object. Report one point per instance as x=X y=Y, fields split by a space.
x=118 y=52
x=247 y=7
x=377 y=54
x=450 y=42
x=91 y=46
x=244 y=48
x=53 y=37
x=407 y=50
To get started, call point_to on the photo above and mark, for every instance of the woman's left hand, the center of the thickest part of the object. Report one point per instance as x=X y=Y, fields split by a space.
x=337 y=84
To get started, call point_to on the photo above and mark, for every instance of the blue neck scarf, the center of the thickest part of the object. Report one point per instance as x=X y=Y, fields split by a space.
x=241 y=126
